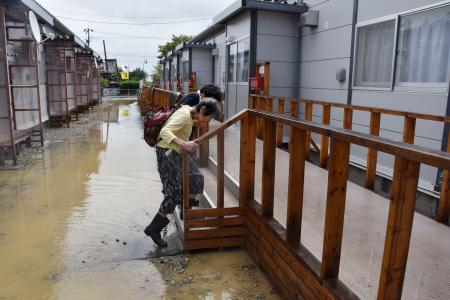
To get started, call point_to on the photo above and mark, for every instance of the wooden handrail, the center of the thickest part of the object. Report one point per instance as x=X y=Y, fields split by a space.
x=413 y=152
x=231 y=121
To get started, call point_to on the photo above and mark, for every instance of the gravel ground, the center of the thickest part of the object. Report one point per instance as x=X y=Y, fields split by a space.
x=59 y=135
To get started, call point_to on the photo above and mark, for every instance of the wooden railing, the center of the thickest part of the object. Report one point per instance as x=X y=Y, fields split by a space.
x=277 y=249
x=265 y=103
x=152 y=97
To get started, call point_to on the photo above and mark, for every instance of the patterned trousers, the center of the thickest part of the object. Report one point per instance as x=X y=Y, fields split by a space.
x=170 y=169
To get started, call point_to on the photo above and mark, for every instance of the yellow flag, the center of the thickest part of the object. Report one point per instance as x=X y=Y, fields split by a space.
x=124 y=75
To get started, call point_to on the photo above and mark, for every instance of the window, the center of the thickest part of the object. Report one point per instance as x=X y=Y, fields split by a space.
x=375 y=55
x=231 y=62
x=242 y=61
x=424 y=49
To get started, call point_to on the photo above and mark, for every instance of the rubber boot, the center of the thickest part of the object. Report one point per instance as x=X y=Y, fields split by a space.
x=154 y=230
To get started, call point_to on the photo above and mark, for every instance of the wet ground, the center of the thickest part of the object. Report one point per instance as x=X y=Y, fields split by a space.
x=72 y=220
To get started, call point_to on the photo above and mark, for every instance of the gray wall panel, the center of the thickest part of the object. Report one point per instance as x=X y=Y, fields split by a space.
x=322 y=74
x=276 y=48
x=332 y=14
x=328 y=44
x=369 y=9
x=239 y=26
x=271 y=23
x=282 y=74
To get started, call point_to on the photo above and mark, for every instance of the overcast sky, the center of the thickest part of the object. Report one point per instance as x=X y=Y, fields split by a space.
x=129 y=43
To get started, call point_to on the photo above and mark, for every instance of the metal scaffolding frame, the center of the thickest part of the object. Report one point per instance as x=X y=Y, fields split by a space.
x=83 y=70
x=94 y=84
x=20 y=106
x=61 y=76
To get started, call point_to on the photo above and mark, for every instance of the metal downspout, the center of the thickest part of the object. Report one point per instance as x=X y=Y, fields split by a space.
x=352 y=52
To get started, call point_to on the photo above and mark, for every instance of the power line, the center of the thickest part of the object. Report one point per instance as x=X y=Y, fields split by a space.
x=122 y=17
x=139 y=24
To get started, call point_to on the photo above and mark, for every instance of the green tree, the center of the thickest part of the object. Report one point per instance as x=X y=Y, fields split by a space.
x=169 y=46
x=138 y=74
x=156 y=75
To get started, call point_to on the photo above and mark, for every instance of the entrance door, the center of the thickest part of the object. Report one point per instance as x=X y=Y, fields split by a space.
x=237 y=77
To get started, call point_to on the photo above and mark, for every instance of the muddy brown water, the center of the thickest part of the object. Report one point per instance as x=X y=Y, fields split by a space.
x=71 y=227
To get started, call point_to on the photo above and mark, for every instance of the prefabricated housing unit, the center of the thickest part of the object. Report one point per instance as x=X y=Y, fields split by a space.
x=25 y=79
x=384 y=54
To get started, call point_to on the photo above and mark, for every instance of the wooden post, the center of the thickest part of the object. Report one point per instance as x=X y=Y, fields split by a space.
x=247 y=159
x=348 y=118
x=326 y=117
x=280 y=125
x=399 y=226
x=293 y=116
x=297 y=141
x=204 y=147
x=220 y=169
x=372 y=154
x=185 y=189
x=409 y=130
x=308 y=117
x=443 y=210
x=335 y=207
x=268 y=168
x=266 y=79
x=260 y=105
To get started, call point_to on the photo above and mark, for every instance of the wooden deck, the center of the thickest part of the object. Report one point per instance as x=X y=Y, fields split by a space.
x=314 y=233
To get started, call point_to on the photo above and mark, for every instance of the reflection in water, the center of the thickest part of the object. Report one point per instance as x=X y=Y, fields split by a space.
x=71 y=227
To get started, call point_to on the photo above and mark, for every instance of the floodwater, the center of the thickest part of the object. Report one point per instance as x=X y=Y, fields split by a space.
x=71 y=227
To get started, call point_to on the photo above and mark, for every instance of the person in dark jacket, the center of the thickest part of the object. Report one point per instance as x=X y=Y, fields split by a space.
x=209 y=91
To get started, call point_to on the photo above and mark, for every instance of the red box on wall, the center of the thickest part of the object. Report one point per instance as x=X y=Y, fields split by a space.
x=257 y=83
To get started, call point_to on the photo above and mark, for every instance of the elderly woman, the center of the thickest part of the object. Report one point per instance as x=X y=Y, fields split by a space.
x=174 y=139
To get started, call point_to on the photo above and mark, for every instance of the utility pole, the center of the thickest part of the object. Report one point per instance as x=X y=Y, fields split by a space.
x=88 y=31
x=143 y=74
x=106 y=59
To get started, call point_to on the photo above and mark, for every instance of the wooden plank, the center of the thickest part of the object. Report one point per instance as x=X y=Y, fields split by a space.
x=203 y=147
x=247 y=160
x=280 y=111
x=348 y=118
x=215 y=222
x=260 y=121
x=213 y=243
x=268 y=168
x=326 y=117
x=264 y=263
x=295 y=185
x=268 y=256
x=409 y=129
x=215 y=233
x=185 y=199
x=372 y=153
x=443 y=210
x=220 y=169
x=335 y=207
x=228 y=123
x=399 y=226
x=215 y=212
x=308 y=117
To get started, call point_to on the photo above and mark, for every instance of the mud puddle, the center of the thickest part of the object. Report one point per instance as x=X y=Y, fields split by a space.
x=71 y=225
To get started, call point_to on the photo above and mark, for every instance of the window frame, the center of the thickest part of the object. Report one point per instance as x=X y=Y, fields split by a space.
x=417 y=86
x=394 y=86
x=356 y=68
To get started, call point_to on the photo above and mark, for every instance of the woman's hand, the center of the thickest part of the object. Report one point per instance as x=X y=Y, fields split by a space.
x=189 y=146
x=186 y=146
